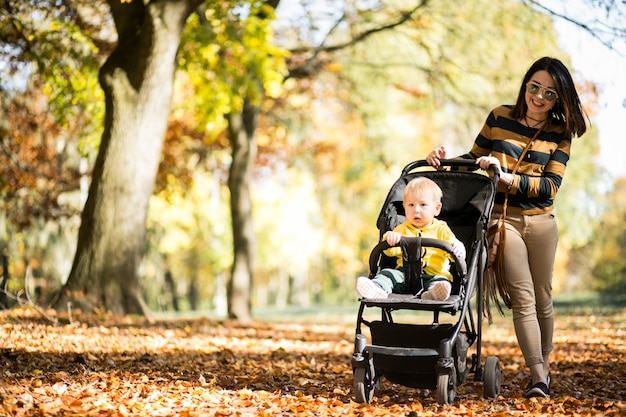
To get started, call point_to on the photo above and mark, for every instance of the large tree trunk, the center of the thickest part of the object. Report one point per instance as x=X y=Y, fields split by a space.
x=241 y=129
x=137 y=80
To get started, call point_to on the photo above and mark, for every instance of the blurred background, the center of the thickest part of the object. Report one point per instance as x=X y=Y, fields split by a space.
x=352 y=91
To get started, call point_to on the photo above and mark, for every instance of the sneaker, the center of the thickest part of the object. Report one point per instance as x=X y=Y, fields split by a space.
x=439 y=292
x=530 y=384
x=369 y=289
x=540 y=389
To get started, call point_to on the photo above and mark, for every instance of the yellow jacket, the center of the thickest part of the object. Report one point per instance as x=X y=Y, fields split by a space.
x=435 y=261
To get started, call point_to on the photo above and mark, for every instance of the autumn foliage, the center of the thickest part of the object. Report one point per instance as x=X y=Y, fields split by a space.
x=120 y=366
x=33 y=166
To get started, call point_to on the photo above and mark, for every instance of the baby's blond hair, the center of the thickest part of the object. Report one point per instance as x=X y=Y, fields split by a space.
x=423 y=186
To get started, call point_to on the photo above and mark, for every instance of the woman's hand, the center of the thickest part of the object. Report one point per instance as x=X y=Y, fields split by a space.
x=485 y=161
x=434 y=157
x=505 y=178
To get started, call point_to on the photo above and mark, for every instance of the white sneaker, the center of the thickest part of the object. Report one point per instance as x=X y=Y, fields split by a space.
x=369 y=289
x=439 y=292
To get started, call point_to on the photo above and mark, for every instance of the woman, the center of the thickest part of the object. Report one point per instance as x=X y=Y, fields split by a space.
x=547 y=109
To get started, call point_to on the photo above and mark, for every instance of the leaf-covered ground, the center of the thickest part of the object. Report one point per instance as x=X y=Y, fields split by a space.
x=111 y=366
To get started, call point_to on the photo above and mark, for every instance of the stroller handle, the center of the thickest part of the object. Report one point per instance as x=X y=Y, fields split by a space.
x=465 y=163
x=428 y=242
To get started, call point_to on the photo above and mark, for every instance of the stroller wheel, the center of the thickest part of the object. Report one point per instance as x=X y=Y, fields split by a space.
x=363 y=386
x=491 y=377
x=446 y=388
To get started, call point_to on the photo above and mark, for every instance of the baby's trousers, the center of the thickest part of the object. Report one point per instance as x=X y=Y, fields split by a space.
x=529 y=254
x=392 y=280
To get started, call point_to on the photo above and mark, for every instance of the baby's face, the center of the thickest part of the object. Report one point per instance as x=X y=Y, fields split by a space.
x=421 y=210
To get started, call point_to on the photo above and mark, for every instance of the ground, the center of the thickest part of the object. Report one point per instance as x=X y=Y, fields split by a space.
x=100 y=365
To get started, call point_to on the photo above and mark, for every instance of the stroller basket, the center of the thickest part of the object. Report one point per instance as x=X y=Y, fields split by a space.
x=410 y=352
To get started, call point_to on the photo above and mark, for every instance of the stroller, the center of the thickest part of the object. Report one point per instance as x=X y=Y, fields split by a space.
x=432 y=355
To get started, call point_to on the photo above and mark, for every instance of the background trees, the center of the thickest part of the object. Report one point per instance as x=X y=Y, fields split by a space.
x=333 y=101
x=607 y=246
x=49 y=130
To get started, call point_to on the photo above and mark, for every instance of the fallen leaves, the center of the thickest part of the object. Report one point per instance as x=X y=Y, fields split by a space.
x=127 y=367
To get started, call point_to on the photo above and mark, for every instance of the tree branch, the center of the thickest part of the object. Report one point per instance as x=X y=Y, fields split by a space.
x=404 y=16
x=313 y=65
x=615 y=33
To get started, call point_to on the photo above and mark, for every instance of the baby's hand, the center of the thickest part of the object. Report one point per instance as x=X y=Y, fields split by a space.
x=393 y=238
x=458 y=248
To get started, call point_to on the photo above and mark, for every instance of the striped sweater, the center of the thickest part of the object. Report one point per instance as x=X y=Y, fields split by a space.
x=539 y=175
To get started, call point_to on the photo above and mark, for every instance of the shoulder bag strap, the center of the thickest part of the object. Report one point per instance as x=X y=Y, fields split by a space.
x=517 y=164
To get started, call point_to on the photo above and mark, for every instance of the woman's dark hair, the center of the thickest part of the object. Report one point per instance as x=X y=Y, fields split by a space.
x=567 y=109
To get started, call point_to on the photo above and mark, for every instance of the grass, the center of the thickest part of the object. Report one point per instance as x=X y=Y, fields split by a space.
x=565 y=304
x=589 y=302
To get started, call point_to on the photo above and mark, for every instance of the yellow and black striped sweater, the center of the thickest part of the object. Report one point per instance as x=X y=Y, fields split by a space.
x=539 y=175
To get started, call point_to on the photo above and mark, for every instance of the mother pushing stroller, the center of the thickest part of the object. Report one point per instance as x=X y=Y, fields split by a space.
x=531 y=143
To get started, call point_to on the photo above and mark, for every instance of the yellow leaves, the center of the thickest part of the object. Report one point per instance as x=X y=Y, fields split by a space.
x=333 y=66
x=238 y=59
x=273 y=85
x=120 y=367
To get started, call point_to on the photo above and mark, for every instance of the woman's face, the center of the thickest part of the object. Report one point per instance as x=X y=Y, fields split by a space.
x=541 y=94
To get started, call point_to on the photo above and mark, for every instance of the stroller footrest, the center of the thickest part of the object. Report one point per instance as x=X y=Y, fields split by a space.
x=410 y=302
x=401 y=351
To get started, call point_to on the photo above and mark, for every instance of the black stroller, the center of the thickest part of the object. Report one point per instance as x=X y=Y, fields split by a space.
x=432 y=355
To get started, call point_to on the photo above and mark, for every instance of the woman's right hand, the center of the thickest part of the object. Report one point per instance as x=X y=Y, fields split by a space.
x=435 y=156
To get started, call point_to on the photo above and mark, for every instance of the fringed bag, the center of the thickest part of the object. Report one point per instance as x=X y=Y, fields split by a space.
x=494 y=279
x=495 y=275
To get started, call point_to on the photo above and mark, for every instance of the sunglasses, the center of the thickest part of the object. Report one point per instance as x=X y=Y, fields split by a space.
x=534 y=88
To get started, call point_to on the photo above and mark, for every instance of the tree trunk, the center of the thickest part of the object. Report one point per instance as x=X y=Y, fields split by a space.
x=241 y=129
x=193 y=294
x=170 y=285
x=4 y=280
x=137 y=80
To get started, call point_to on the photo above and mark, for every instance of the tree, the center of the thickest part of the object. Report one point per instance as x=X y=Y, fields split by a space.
x=607 y=247
x=137 y=81
x=50 y=105
x=235 y=43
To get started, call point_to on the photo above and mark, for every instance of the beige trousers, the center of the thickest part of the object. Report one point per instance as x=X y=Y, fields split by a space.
x=529 y=254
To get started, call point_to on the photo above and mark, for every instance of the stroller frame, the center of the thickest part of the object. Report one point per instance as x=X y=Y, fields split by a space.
x=431 y=355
